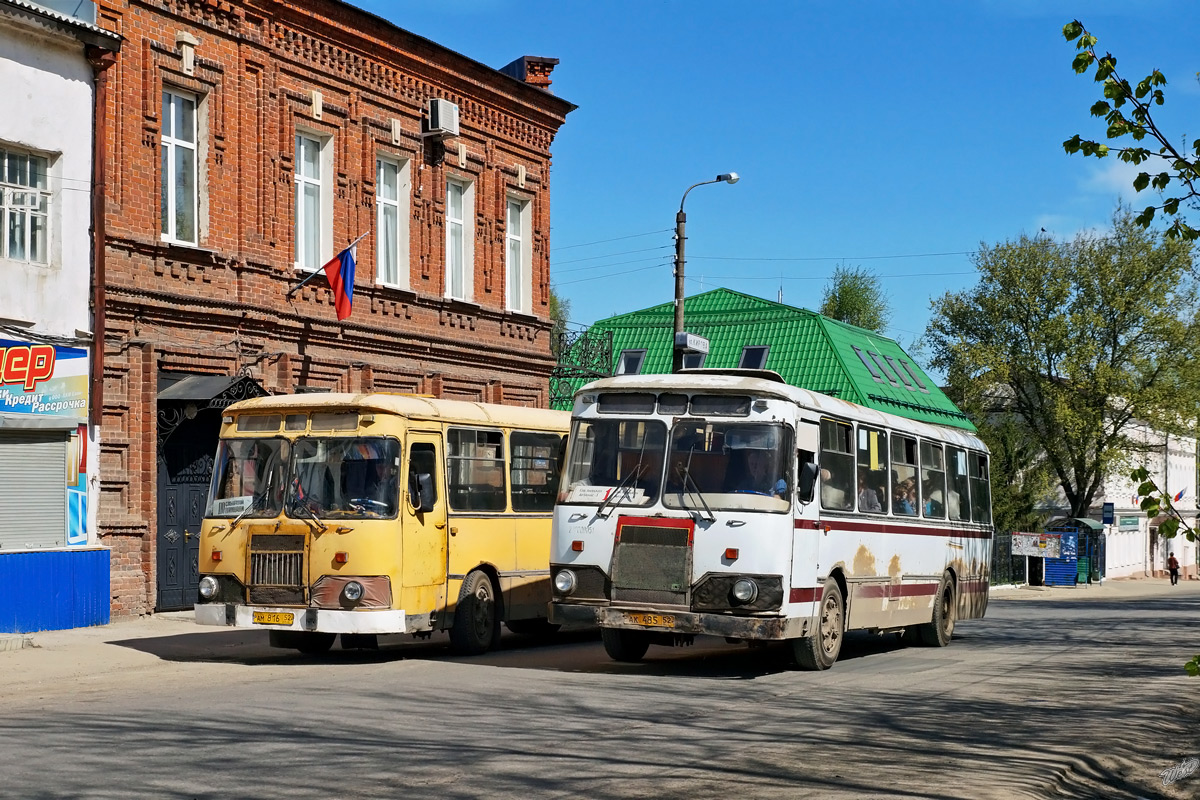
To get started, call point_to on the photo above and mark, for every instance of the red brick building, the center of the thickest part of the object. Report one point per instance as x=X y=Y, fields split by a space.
x=251 y=141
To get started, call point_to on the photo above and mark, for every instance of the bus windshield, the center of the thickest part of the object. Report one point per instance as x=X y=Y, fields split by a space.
x=342 y=477
x=618 y=461
x=248 y=478
x=732 y=465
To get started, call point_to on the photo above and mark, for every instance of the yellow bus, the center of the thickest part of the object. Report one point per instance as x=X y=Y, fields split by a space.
x=369 y=514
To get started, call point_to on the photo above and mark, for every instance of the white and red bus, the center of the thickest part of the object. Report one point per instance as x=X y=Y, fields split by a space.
x=730 y=504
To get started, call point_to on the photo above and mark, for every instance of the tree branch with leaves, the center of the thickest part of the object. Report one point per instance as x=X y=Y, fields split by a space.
x=1127 y=110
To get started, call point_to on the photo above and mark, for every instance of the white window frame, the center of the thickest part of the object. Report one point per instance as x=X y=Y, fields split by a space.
x=466 y=225
x=171 y=145
x=518 y=277
x=41 y=207
x=396 y=273
x=324 y=184
x=766 y=351
x=636 y=359
x=694 y=360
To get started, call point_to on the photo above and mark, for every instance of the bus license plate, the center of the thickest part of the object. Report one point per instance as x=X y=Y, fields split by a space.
x=272 y=618
x=657 y=620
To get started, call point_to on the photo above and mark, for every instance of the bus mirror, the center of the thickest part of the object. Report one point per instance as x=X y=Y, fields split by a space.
x=420 y=492
x=807 y=482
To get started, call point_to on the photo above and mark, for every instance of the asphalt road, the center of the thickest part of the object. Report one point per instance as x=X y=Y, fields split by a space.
x=1074 y=693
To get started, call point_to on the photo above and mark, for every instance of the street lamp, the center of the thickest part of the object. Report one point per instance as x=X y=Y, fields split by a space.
x=680 y=221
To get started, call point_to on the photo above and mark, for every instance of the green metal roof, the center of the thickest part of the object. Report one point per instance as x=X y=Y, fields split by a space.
x=805 y=348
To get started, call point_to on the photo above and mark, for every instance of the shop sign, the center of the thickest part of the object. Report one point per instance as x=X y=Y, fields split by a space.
x=43 y=379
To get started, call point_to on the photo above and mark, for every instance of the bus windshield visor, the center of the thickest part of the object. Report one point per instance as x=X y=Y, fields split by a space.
x=249 y=478
x=344 y=478
x=614 y=462
x=733 y=466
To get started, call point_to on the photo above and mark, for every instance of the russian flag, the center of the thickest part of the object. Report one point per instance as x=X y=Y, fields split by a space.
x=340 y=272
x=1179 y=495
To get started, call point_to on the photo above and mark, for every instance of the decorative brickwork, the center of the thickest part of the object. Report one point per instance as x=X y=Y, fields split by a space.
x=261 y=70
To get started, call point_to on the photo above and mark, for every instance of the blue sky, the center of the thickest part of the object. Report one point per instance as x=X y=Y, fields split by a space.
x=893 y=136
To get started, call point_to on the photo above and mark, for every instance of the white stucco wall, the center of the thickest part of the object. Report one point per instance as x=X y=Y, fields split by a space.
x=1171 y=461
x=48 y=91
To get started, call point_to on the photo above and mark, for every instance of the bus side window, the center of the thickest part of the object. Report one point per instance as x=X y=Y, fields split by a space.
x=837 y=465
x=534 y=469
x=422 y=465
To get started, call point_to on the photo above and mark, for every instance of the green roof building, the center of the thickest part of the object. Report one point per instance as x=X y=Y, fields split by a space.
x=805 y=348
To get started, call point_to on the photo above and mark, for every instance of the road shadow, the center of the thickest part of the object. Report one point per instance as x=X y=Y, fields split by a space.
x=577 y=651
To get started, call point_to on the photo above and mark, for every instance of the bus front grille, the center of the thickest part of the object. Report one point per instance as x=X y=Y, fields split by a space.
x=651 y=565
x=277 y=569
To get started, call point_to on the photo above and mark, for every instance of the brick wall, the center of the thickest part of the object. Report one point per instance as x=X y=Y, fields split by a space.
x=221 y=307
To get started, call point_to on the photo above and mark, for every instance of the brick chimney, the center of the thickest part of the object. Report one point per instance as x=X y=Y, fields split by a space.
x=534 y=70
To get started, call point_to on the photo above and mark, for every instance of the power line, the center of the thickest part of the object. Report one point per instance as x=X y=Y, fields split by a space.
x=818 y=277
x=604 y=266
x=834 y=258
x=612 y=274
x=606 y=241
x=610 y=255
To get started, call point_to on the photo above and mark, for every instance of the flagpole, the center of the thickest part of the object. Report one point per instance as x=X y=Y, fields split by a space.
x=316 y=272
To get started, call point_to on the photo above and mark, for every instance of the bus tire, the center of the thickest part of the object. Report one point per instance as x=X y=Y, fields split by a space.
x=476 y=626
x=622 y=645
x=940 y=630
x=819 y=651
x=540 y=627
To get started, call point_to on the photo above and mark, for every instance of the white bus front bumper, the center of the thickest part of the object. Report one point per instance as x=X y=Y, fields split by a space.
x=322 y=620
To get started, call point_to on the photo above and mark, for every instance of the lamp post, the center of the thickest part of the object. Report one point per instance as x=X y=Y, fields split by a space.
x=680 y=221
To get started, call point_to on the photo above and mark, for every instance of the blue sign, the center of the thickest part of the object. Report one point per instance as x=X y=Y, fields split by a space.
x=1107 y=514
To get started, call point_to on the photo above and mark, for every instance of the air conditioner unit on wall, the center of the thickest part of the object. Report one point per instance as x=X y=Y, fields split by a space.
x=441 y=118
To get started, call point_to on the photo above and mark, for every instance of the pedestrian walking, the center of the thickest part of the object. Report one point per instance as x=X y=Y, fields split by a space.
x=1173 y=568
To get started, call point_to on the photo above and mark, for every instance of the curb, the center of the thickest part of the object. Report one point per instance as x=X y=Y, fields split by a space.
x=15 y=642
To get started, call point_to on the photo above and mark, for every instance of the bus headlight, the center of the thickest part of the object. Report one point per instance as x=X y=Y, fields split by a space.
x=564 y=581
x=208 y=587
x=744 y=590
x=352 y=591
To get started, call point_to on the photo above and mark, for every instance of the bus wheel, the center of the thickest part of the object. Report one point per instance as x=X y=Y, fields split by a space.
x=476 y=624
x=939 y=632
x=821 y=650
x=628 y=646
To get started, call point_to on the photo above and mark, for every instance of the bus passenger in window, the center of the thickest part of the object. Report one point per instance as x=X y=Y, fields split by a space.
x=868 y=498
x=831 y=496
x=934 y=506
x=906 y=498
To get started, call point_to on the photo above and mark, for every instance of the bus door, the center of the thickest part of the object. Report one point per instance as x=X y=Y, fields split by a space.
x=424 y=523
x=807 y=529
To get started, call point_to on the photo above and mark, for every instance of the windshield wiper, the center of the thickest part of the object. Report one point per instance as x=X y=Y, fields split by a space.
x=300 y=505
x=255 y=505
x=623 y=486
x=685 y=473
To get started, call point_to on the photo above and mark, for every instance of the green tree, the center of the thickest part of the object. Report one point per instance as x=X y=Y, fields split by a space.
x=1126 y=109
x=1078 y=340
x=1155 y=502
x=855 y=296
x=560 y=309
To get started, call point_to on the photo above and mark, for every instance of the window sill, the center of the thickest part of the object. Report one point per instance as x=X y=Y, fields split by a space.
x=524 y=316
x=186 y=250
x=467 y=304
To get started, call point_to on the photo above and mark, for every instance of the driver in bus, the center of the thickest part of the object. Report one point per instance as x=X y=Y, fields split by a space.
x=757 y=476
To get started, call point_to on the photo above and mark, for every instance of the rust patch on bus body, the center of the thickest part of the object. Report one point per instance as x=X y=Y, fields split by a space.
x=894 y=566
x=864 y=561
